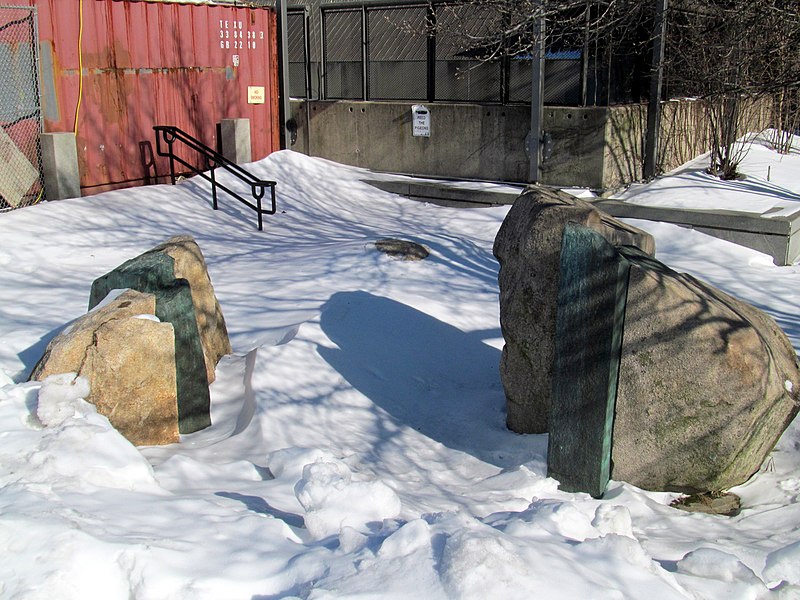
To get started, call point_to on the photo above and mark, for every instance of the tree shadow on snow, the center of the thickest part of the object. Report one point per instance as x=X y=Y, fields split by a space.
x=425 y=373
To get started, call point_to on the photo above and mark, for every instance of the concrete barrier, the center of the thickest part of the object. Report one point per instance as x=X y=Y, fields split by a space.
x=235 y=140
x=467 y=141
x=60 y=166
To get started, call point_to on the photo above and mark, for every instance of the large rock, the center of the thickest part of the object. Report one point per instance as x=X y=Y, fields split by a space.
x=129 y=359
x=528 y=247
x=707 y=384
x=175 y=272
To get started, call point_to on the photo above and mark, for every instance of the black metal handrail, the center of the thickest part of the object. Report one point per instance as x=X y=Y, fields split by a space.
x=213 y=160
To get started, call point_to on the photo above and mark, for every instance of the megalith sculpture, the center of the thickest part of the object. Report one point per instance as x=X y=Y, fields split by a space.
x=692 y=400
x=175 y=272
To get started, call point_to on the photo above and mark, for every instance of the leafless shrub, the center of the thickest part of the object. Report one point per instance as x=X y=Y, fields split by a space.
x=729 y=54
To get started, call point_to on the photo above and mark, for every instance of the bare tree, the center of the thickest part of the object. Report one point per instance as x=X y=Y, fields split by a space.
x=727 y=53
x=506 y=27
x=730 y=54
x=783 y=69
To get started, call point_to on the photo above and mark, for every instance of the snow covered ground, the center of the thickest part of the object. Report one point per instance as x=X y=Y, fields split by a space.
x=358 y=447
x=769 y=184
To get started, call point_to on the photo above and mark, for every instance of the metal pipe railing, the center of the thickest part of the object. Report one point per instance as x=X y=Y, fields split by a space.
x=168 y=134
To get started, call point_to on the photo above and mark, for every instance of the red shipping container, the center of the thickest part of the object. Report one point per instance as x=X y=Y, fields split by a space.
x=154 y=63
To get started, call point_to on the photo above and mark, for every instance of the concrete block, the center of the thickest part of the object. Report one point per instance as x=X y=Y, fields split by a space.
x=454 y=194
x=60 y=166
x=235 y=140
x=591 y=313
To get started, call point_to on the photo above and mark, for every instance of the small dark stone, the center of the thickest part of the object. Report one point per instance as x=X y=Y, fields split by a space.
x=712 y=503
x=402 y=249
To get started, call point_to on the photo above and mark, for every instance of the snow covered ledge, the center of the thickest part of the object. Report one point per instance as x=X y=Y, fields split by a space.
x=774 y=232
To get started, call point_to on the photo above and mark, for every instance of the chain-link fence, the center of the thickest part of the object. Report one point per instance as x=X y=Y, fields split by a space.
x=20 y=112
x=344 y=66
x=423 y=52
x=397 y=53
x=297 y=36
x=465 y=74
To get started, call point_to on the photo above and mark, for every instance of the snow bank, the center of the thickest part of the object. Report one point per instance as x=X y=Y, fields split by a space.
x=358 y=446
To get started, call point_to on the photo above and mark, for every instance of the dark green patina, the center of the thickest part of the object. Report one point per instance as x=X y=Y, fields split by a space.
x=591 y=312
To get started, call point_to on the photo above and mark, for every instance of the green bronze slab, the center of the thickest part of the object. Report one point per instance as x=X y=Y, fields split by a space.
x=589 y=327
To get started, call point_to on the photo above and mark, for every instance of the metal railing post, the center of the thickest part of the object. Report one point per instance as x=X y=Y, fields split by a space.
x=213 y=190
x=537 y=101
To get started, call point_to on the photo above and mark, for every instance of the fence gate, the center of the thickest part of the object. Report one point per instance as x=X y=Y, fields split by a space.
x=20 y=111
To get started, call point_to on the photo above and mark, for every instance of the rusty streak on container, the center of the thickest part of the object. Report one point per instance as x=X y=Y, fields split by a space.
x=154 y=63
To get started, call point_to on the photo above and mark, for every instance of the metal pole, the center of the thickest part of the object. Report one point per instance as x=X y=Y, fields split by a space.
x=364 y=54
x=585 y=57
x=654 y=103
x=307 y=54
x=537 y=101
x=431 y=53
x=283 y=68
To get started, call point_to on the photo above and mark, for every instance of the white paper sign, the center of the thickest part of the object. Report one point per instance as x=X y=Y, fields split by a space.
x=421 y=121
x=255 y=94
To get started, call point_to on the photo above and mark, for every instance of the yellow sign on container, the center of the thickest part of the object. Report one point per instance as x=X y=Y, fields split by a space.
x=255 y=94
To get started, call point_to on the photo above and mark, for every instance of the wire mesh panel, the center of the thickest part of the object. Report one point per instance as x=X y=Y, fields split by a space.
x=562 y=78
x=463 y=72
x=296 y=33
x=342 y=39
x=398 y=47
x=20 y=113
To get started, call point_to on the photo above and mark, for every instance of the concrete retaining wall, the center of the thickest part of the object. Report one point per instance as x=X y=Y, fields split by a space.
x=685 y=134
x=467 y=141
x=594 y=147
